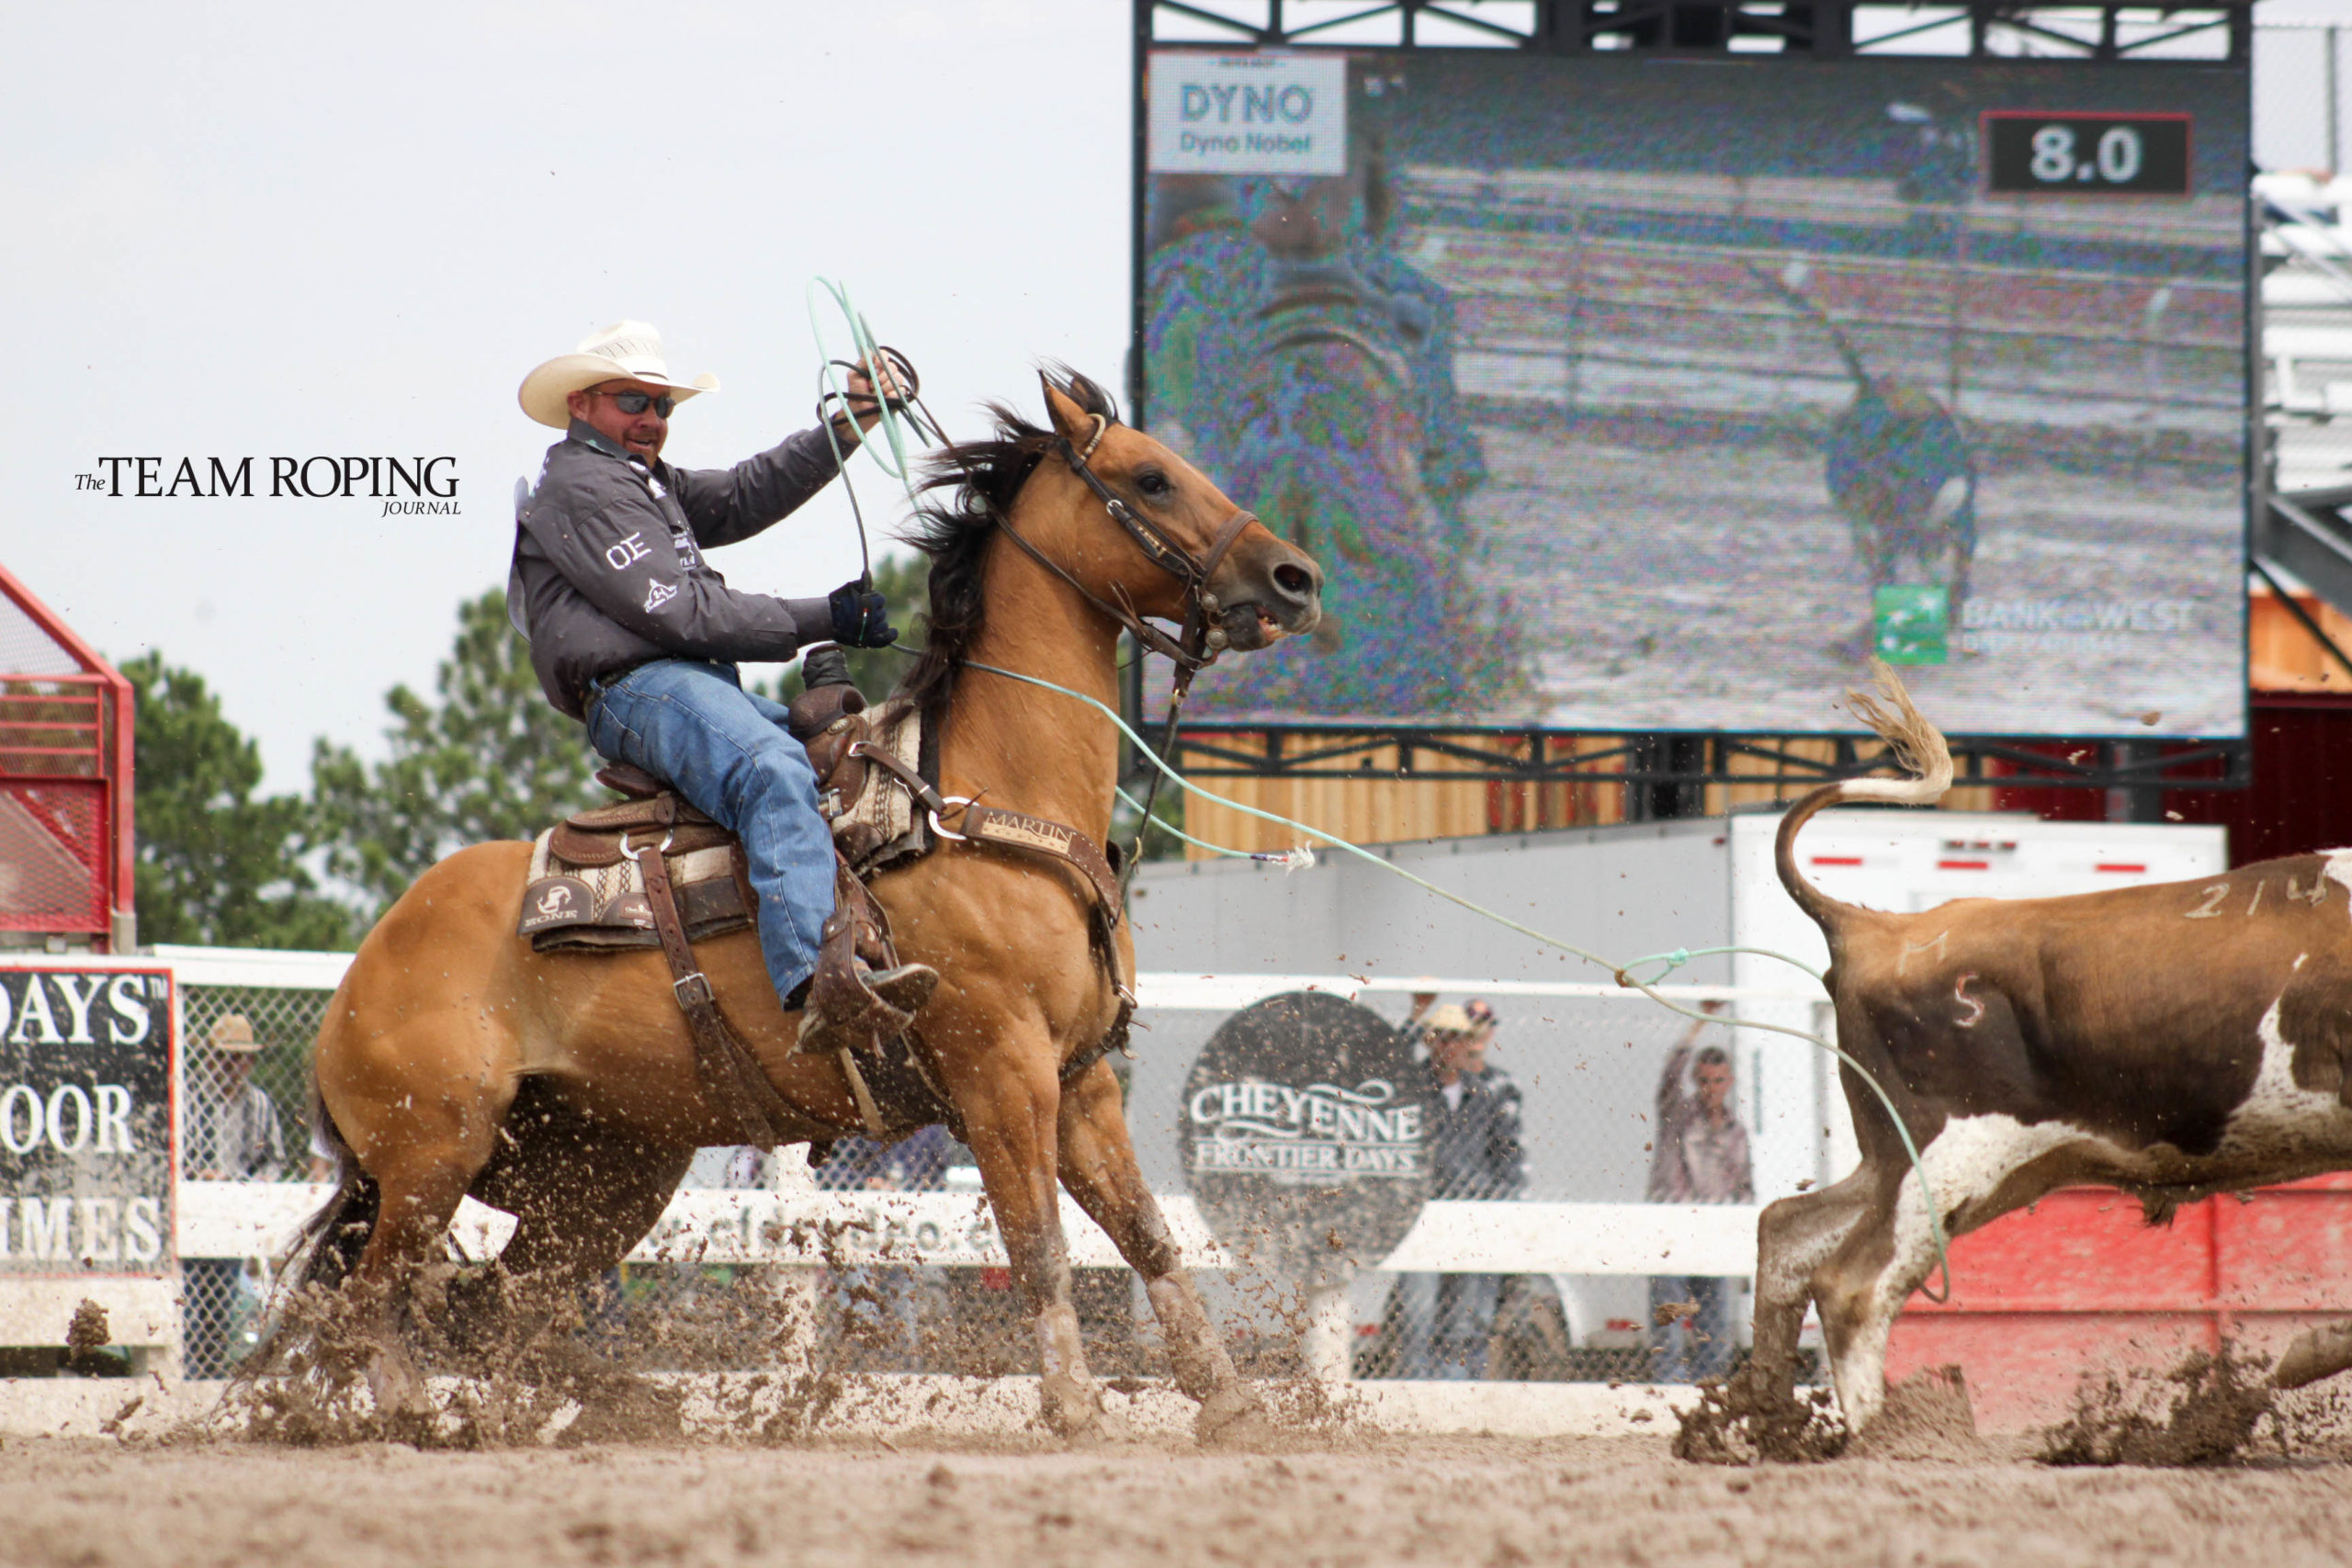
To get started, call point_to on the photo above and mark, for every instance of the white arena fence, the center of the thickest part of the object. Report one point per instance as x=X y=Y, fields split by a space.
x=1576 y=1252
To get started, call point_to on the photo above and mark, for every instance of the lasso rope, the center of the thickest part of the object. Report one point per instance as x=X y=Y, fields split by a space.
x=1648 y=988
x=869 y=352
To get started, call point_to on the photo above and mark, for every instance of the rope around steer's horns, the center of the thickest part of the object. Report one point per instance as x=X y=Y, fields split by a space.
x=1622 y=971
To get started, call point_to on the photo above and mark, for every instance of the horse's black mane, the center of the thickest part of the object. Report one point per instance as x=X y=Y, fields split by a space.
x=985 y=477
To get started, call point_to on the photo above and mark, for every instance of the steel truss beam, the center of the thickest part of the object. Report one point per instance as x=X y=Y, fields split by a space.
x=1808 y=29
x=1461 y=756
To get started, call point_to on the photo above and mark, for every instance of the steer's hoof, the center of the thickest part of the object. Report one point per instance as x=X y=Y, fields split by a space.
x=2318 y=1353
x=403 y=1409
x=1231 y=1415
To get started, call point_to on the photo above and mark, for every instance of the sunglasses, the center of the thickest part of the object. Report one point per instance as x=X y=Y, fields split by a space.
x=637 y=402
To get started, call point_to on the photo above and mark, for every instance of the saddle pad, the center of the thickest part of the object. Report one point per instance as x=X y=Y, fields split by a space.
x=883 y=826
x=600 y=908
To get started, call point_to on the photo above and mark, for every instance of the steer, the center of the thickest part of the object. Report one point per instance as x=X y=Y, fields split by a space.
x=2174 y=1041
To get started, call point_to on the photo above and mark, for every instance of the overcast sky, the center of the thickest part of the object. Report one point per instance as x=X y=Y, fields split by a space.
x=261 y=230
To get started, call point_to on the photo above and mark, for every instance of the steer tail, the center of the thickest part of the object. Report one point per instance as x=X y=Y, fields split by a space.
x=1918 y=746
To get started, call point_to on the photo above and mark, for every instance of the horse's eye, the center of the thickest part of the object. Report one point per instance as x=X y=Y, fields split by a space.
x=1154 y=483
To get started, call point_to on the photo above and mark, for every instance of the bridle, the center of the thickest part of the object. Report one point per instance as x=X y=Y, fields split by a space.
x=1202 y=639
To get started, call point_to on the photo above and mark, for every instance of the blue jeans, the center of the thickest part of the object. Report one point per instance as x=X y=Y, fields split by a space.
x=1700 y=1345
x=1444 y=1323
x=728 y=752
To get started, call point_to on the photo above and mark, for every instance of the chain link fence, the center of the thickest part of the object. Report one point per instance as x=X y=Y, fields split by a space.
x=1584 y=1125
x=244 y=1097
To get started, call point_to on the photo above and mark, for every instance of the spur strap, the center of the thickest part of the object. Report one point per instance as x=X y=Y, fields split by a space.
x=727 y=1071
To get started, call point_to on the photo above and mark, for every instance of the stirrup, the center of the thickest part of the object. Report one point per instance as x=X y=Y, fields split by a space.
x=872 y=1013
x=906 y=988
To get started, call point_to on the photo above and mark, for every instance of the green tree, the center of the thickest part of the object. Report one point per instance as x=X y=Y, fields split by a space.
x=489 y=759
x=215 y=865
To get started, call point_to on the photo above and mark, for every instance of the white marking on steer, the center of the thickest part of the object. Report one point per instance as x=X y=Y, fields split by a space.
x=1976 y=1012
x=2337 y=869
x=2277 y=1120
x=1965 y=1163
x=2299 y=959
x=1903 y=959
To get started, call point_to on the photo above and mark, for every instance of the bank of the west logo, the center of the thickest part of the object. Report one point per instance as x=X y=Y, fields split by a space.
x=1320 y=1132
x=1252 y=114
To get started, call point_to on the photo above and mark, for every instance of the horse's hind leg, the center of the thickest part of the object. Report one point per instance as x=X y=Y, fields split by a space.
x=581 y=1196
x=424 y=1151
x=1098 y=1166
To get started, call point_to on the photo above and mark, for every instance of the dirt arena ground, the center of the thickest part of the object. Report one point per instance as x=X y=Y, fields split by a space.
x=1473 y=1500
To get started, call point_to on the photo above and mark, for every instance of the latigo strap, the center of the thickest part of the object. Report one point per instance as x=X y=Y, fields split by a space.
x=727 y=1071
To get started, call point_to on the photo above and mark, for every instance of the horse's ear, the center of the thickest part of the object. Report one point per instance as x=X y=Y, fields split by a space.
x=1073 y=423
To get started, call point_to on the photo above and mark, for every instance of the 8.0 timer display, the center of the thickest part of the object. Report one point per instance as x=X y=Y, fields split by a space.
x=2085 y=155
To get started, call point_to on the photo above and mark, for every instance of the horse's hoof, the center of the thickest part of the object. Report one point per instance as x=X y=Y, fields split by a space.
x=402 y=1404
x=1074 y=1413
x=1233 y=1413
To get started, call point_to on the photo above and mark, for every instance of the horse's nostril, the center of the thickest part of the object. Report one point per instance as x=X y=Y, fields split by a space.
x=1294 y=581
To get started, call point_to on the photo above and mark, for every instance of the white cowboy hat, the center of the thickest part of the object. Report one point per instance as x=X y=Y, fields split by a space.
x=624 y=351
x=1451 y=1019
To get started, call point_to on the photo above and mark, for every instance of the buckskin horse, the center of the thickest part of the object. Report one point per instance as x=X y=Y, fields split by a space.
x=562 y=1088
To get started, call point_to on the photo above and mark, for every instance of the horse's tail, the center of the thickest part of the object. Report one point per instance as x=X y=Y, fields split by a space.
x=330 y=1243
x=1918 y=747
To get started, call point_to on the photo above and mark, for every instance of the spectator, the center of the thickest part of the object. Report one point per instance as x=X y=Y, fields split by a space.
x=231 y=1128
x=231 y=1122
x=1470 y=1115
x=1698 y=1154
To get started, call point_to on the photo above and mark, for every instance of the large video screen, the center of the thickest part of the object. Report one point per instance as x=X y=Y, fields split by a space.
x=1628 y=395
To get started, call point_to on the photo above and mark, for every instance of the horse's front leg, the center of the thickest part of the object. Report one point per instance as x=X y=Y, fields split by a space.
x=1011 y=1127
x=1098 y=1166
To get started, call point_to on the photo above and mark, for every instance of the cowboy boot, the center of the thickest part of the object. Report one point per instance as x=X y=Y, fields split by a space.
x=851 y=1003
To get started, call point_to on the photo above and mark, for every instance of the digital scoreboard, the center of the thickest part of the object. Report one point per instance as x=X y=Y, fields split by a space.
x=1622 y=395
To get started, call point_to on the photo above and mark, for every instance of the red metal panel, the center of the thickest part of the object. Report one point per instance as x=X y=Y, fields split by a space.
x=2023 y=1368
x=2080 y=1284
x=2082 y=1250
x=53 y=856
x=67 y=854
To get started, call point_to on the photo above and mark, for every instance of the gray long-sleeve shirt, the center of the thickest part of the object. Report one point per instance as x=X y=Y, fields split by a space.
x=1695 y=1160
x=608 y=571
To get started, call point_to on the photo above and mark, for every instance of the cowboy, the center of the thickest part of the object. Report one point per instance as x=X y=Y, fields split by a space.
x=633 y=632
x=1470 y=1113
x=232 y=1123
